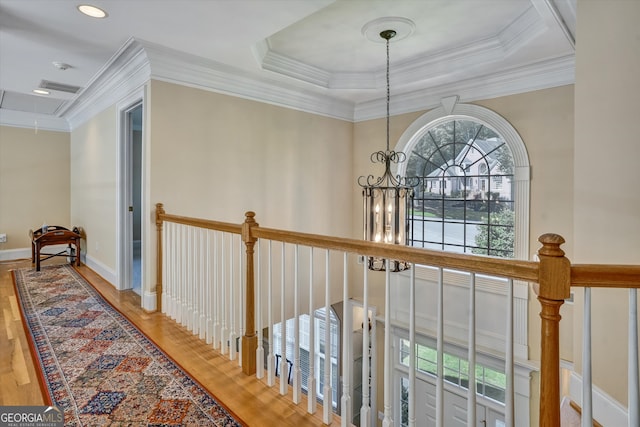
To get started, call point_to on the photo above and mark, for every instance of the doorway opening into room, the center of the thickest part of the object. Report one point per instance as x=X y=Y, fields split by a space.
x=130 y=236
x=134 y=117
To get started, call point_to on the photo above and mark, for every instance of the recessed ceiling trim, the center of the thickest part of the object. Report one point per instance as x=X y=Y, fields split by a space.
x=546 y=74
x=273 y=61
x=522 y=30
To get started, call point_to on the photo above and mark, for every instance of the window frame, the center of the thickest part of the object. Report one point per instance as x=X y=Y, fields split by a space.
x=449 y=110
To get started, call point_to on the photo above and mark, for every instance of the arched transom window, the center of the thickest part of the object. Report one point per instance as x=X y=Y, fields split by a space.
x=473 y=183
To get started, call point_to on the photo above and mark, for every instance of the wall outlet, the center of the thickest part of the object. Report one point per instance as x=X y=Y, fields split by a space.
x=3 y=238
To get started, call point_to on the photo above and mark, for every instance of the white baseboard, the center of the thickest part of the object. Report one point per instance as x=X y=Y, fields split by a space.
x=606 y=410
x=107 y=273
x=15 y=254
x=149 y=301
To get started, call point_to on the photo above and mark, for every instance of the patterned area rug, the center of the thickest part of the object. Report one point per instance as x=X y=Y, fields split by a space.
x=97 y=366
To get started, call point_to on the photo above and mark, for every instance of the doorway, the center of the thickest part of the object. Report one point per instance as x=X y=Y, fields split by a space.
x=130 y=171
x=134 y=120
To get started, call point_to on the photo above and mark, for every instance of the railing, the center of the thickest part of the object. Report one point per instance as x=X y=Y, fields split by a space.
x=207 y=282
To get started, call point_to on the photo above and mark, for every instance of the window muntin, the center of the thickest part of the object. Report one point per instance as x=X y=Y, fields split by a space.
x=464 y=201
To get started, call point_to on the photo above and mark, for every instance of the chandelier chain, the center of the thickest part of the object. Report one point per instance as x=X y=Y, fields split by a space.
x=388 y=94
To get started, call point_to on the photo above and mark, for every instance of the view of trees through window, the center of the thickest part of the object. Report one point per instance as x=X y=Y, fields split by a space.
x=464 y=201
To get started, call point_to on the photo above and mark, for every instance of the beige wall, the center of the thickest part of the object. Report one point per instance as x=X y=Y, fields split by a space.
x=607 y=151
x=34 y=183
x=93 y=186
x=215 y=156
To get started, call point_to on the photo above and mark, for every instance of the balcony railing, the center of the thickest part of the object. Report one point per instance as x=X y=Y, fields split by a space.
x=230 y=283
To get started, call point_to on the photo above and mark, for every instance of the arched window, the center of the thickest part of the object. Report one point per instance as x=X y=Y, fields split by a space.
x=473 y=174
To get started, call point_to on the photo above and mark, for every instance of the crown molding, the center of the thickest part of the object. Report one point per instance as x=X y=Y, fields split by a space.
x=541 y=75
x=139 y=61
x=126 y=71
x=189 y=70
x=30 y=120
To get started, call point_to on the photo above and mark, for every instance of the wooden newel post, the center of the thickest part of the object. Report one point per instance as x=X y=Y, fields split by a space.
x=250 y=338
x=553 y=288
x=159 y=213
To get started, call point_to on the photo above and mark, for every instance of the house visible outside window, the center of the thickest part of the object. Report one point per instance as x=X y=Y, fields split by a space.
x=473 y=168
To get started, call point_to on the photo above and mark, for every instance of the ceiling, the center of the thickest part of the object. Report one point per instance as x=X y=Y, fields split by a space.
x=323 y=56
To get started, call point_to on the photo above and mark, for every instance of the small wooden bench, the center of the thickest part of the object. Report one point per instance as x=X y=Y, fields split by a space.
x=55 y=235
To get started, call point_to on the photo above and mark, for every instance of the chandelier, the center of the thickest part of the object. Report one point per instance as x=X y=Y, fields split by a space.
x=386 y=199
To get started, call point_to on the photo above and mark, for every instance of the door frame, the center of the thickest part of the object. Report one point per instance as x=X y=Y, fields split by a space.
x=124 y=221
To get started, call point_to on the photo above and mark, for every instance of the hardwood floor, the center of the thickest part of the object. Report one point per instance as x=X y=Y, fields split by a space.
x=249 y=399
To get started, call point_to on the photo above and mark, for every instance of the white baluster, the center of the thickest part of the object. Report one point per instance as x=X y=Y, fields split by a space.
x=187 y=303
x=387 y=421
x=232 y=303
x=223 y=297
x=440 y=351
x=327 y=405
x=284 y=386
x=471 y=372
x=412 y=348
x=258 y=292
x=297 y=372
x=204 y=288
x=311 y=380
x=210 y=289
x=241 y=305
x=347 y=327
x=634 y=377
x=216 y=292
x=271 y=356
x=365 y=410
x=587 y=408
x=509 y=404
x=165 y=266
x=195 y=286
x=182 y=280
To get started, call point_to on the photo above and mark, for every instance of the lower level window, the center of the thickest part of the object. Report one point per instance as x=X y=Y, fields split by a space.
x=490 y=382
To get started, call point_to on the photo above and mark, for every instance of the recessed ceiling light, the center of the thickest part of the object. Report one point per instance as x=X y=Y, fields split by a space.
x=41 y=92
x=92 y=11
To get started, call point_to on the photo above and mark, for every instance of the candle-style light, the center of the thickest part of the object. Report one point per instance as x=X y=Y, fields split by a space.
x=386 y=199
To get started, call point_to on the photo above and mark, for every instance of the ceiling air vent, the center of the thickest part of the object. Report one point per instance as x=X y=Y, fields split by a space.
x=61 y=87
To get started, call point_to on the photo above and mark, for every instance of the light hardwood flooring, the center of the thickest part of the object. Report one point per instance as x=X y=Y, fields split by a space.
x=249 y=399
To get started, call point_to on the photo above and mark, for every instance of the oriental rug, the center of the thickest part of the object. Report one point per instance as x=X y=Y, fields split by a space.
x=97 y=366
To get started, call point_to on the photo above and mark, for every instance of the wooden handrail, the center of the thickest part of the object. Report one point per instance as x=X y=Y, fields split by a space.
x=200 y=223
x=516 y=269
x=605 y=276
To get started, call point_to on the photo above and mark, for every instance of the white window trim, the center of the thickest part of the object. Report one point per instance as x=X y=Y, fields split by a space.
x=450 y=109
